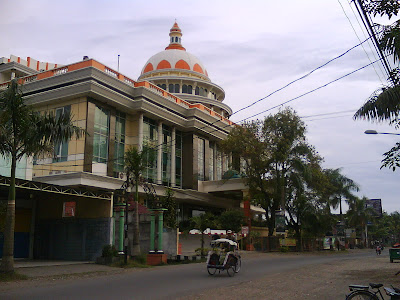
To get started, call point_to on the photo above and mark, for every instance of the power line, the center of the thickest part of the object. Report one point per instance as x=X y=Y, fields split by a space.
x=309 y=92
x=355 y=32
x=302 y=77
x=331 y=113
x=371 y=32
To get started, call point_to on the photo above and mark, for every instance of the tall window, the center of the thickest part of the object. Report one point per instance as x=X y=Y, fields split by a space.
x=200 y=159
x=166 y=155
x=197 y=90
x=174 y=88
x=61 y=149
x=219 y=165
x=119 y=150
x=178 y=158
x=101 y=134
x=150 y=140
x=211 y=162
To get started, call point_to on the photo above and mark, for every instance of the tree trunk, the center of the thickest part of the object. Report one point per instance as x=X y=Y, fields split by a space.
x=7 y=263
x=202 y=243
x=136 y=231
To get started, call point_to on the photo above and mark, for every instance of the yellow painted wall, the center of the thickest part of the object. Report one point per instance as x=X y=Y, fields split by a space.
x=75 y=146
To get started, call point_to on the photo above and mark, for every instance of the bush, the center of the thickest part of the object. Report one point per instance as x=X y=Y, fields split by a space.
x=284 y=249
x=141 y=259
x=109 y=251
x=198 y=251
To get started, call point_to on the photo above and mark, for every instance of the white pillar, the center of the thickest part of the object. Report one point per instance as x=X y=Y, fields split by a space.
x=140 y=132
x=173 y=158
x=12 y=74
x=159 y=153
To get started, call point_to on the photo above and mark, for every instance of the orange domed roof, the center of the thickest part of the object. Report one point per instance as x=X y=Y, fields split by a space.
x=174 y=56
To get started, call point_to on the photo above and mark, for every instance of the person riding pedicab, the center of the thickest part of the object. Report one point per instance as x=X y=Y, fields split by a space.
x=230 y=235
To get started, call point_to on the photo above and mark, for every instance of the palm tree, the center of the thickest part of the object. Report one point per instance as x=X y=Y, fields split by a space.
x=339 y=187
x=135 y=163
x=359 y=215
x=384 y=103
x=24 y=132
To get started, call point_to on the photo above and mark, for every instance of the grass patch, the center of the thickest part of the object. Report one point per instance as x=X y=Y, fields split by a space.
x=184 y=262
x=12 y=276
x=131 y=264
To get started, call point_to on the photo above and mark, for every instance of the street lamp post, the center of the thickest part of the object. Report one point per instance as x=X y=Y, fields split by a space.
x=369 y=131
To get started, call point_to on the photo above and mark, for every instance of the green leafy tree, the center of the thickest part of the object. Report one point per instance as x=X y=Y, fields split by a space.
x=202 y=222
x=168 y=202
x=231 y=220
x=270 y=149
x=23 y=133
x=394 y=226
x=359 y=215
x=303 y=191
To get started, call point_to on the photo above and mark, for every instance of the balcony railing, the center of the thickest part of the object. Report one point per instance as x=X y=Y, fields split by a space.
x=95 y=64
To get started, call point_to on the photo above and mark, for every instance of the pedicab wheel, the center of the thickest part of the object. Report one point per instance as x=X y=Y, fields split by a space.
x=211 y=271
x=231 y=271
x=238 y=265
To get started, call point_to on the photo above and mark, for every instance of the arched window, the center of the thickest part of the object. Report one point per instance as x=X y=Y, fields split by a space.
x=201 y=92
x=197 y=91
x=189 y=89
x=172 y=39
x=184 y=89
x=176 y=39
x=205 y=93
x=162 y=86
x=177 y=88
x=171 y=88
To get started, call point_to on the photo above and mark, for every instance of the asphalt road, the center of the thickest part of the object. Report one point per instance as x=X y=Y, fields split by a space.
x=168 y=282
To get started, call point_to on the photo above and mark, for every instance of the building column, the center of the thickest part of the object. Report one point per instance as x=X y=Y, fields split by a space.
x=159 y=153
x=173 y=157
x=152 y=230
x=215 y=161
x=140 y=132
x=160 y=231
x=12 y=74
x=121 y=230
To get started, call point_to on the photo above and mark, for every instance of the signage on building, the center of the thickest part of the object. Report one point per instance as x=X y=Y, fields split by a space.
x=280 y=221
x=69 y=209
x=245 y=230
x=375 y=205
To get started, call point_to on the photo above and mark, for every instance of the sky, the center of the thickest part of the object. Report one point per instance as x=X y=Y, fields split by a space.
x=250 y=49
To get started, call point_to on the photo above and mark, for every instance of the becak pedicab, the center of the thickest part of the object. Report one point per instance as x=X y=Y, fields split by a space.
x=223 y=256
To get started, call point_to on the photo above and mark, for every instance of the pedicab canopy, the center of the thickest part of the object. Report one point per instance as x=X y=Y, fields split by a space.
x=219 y=242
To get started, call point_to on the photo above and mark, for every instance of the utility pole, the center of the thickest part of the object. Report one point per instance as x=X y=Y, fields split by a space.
x=371 y=32
x=118 y=62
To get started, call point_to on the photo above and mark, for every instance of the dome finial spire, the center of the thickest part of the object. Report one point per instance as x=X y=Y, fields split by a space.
x=175 y=34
